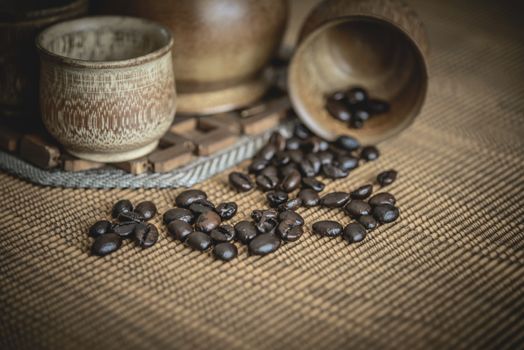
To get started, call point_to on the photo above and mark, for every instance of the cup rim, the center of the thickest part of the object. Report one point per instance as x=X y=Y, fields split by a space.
x=83 y=63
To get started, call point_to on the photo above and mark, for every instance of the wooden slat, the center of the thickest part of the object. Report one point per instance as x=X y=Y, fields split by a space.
x=39 y=152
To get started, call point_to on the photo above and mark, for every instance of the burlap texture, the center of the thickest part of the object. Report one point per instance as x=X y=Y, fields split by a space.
x=448 y=275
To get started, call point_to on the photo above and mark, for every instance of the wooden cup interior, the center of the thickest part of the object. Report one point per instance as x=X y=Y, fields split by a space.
x=358 y=51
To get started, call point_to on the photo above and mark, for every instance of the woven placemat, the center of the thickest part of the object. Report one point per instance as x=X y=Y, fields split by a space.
x=447 y=275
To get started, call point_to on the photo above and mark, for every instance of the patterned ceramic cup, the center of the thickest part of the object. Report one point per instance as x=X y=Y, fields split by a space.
x=107 y=87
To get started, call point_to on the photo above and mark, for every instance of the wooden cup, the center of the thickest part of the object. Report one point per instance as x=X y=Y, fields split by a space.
x=380 y=45
x=107 y=89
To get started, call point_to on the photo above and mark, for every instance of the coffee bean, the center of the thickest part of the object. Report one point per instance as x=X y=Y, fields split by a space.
x=301 y=131
x=354 y=232
x=179 y=229
x=146 y=235
x=356 y=208
x=356 y=95
x=289 y=232
x=100 y=228
x=325 y=157
x=199 y=208
x=376 y=106
x=292 y=217
x=338 y=95
x=368 y=222
x=270 y=171
x=225 y=251
x=338 y=110
x=256 y=214
x=130 y=216
x=313 y=184
x=178 y=214
x=295 y=156
x=106 y=244
x=293 y=143
x=124 y=230
x=382 y=198
x=188 y=197
x=345 y=162
x=146 y=209
x=257 y=165
x=265 y=220
x=282 y=158
x=314 y=145
x=385 y=213
x=309 y=197
x=327 y=228
x=360 y=114
x=291 y=204
x=347 y=143
x=275 y=198
x=267 y=152
x=245 y=231
x=369 y=153
x=356 y=123
x=122 y=206
x=315 y=162
x=264 y=244
x=386 y=177
x=362 y=192
x=240 y=182
x=307 y=169
x=334 y=199
x=291 y=182
x=288 y=169
x=223 y=233
x=226 y=210
x=278 y=141
x=198 y=241
x=267 y=183
x=333 y=172
x=207 y=221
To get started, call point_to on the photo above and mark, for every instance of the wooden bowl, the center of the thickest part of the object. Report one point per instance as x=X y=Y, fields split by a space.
x=20 y=22
x=378 y=44
x=107 y=89
x=221 y=47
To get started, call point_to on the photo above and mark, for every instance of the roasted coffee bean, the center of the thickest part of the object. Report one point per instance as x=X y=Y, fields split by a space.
x=338 y=110
x=257 y=165
x=207 y=221
x=291 y=182
x=301 y=131
x=146 y=209
x=385 y=213
x=307 y=169
x=267 y=183
x=178 y=214
x=382 y=198
x=356 y=95
x=256 y=214
x=292 y=217
x=333 y=172
x=106 y=244
x=270 y=171
x=130 y=216
x=368 y=222
x=309 y=197
x=223 y=233
x=225 y=251
x=188 y=197
x=386 y=177
x=122 y=206
x=198 y=241
x=275 y=198
x=282 y=158
x=278 y=141
x=347 y=143
x=354 y=232
x=265 y=220
x=314 y=145
x=226 y=210
x=338 y=95
x=362 y=192
x=313 y=184
x=240 y=182
x=334 y=199
x=356 y=123
x=327 y=228
x=293 y=143
x=146 y=235
x=100 y=228
x=124 y=230
x=245 y=231
x=360 y=114
x=369 y=153
x=198 y=208
x=289 y=232
x=356 y=208
x=345 y=162
x=325 y=157
x=291 y=204
x=296 y=155
x=179 y=229
x=267 y=152
x=264 y=244
x=287 y=169
x=376 y=106
x=315 y=162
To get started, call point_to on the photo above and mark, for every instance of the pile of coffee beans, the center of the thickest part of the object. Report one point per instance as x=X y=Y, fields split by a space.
x=354 y=107
x=130 y=223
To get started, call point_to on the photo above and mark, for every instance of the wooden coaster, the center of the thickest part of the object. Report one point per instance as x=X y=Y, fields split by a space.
x=37 y=151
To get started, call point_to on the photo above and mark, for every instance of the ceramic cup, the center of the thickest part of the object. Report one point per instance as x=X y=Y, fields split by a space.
x=20 y=23
x=380 y=45
x=107 y=88
x=221 y=47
